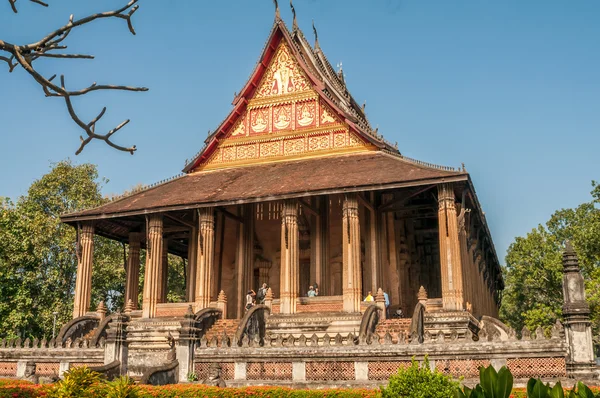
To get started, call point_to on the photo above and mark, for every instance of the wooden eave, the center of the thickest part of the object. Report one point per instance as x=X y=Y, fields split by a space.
x=370 y=171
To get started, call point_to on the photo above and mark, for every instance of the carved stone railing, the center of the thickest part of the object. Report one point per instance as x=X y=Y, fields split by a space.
x=253 y=325
x=161 y=375
x=205 y=319
x=417 y=328
x=369 y=322
x=78 y=328
x=110 y=370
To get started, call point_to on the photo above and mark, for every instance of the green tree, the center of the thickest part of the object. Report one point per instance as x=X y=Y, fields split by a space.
x=37 y=253
x=533 y=273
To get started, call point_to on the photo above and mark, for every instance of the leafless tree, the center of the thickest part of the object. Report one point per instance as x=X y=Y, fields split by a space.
x=25 y=55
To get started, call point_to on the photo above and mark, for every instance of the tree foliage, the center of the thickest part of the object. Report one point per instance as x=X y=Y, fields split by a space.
x=37 y=253
x=533 y=273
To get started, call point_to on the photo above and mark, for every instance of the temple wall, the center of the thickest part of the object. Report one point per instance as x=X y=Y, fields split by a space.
x=339 y=362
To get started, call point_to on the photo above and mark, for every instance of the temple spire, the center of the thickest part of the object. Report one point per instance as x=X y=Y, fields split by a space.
x=316 y=36
x=295 y=22
x=277 y=14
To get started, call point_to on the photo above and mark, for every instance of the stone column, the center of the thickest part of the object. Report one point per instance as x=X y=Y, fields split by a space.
x=374 y=237
x=85 y=257
x=466 y=274
x=450 y=262
x=351 y=273
x=152 y=276
x=576 y=313
x=190 y=289
x=290 y=257
x=132 y=285
x=316 y=247
x=325 y=275
x=244 y=256
x=164 y=272
x=205 y=257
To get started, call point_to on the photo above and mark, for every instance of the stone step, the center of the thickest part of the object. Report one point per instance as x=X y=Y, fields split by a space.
x=393 y=327
x=229 y=326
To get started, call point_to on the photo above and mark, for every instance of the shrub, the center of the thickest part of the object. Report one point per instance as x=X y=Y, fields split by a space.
x=77 y=382
x=122 y=387
x=492 y=384
x=420 y=382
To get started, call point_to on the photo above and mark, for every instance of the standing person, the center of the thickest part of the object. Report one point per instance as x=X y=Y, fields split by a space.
x=250 y=299
x=387 y=304
x=262 y=293
x=369 y=297
x=311 y=291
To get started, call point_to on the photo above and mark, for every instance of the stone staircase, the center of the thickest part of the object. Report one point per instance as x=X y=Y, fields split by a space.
x=394 y=327
x=229 y=326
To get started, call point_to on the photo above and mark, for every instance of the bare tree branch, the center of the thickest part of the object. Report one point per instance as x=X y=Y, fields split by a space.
x=90 y=128
x=25 y=55
x=14 y=7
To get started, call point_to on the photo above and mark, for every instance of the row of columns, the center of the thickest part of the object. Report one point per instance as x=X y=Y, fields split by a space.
x=452 y=243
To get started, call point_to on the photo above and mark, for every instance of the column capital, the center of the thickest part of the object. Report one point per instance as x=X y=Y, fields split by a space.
x=206 y=215
x=135 y=238
x=446 y=195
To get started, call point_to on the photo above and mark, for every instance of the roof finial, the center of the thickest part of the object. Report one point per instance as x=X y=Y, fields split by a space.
x=294 y=23
x=316 y=35
x=364 y=106
x=277 y=14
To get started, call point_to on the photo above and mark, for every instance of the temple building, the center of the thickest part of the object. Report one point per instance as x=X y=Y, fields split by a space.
x=296 y=188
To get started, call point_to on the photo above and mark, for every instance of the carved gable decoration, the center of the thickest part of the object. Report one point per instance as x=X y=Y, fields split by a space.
x=283 y=75
x=328 y=116
x=286 y=118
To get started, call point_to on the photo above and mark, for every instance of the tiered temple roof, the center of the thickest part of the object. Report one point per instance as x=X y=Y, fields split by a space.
x=294 y=130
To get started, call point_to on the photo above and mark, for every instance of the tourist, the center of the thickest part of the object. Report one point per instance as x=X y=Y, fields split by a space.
x=250 y=299
x=311 y=291
x=387 y=304
x=369 y=297
x=262 y=293
x=399 y=313
x=316 y=291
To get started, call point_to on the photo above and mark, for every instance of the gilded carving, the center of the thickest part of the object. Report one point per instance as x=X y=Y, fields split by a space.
x=259 y=120
x=339 y=140
x=305 y=114
x=317 y=143
x=239 y=129
x=293 y=146
x=247 y=151
x=282 y=117
x=229 y=154
x=354 y=140
x=327 y=115
x=271 y=148
x=283 y=75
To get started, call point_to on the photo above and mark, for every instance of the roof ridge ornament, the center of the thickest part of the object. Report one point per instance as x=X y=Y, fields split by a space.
x=316 y=36
x=294 y=22
x=277 y=14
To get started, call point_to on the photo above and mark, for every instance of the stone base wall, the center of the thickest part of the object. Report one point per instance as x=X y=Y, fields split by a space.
x=305 y=360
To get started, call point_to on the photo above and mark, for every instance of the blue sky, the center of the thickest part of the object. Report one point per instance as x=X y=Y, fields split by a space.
x=511 y=88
